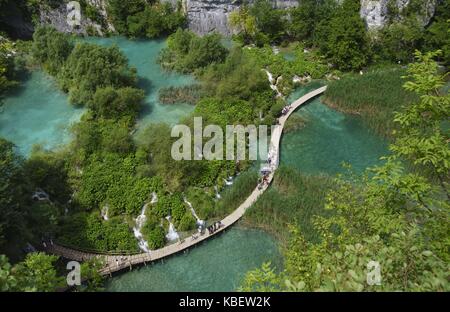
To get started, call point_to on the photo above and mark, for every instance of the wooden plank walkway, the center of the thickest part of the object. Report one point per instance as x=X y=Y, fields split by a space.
x=115 y=263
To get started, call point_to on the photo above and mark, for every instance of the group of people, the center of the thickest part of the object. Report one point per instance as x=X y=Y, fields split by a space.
x=263 y=181
x=285 y=110
x=214 y=227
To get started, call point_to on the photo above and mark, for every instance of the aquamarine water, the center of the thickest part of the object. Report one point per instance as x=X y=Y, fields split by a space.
x=143 y=55
x=328 y=139
x=37 y=113
x=216 y=265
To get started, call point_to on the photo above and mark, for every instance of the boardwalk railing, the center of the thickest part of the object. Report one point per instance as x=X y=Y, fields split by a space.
x=116 y=262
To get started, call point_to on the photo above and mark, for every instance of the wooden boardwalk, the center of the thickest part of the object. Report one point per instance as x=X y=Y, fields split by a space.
x=115 y=263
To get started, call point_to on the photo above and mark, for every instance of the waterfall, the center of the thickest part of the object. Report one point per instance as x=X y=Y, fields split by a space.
x=217 y=192
x=140 y=221
x=273 y=83
x=172 y=235
x=104 y=212
x=228 y=181
x=199 y=222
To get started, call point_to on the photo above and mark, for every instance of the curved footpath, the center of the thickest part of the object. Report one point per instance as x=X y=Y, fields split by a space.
x=115 y=263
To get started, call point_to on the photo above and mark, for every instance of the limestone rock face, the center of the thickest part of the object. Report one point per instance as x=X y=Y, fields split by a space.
x=58 y=19
x=375 y=12
x=205 y=16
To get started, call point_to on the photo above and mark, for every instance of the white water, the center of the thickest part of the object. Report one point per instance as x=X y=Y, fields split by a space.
x=218 y=196
x=228 y=181
x=140 y=221
x=273 y=83
x=199 y=221
x=104 y=212
x=172 y=235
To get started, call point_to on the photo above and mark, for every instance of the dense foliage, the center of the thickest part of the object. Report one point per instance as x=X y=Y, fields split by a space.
x=338 y=32
x=394 y=217
x=187 y=52
x=139 y=18
x=374 y=96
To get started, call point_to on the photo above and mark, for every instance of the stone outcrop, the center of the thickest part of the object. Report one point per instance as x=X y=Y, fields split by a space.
x=375 y=12
x=58 y=18
x=206 y=16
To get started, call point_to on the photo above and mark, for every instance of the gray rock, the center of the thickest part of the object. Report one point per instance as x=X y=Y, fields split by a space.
x=205 y=16
x=375 y=12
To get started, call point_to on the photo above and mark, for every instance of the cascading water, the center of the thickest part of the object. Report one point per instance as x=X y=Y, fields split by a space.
x=228 y=181
x=140 y=221
x=104 y=212
x=218 y=196
x=172 y=235
x=199 y=221
x=273 y=83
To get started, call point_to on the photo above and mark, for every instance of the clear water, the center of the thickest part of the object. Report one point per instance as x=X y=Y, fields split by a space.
x=328 y=139
x=143 y=55
x=216 y=265
x=37 y=113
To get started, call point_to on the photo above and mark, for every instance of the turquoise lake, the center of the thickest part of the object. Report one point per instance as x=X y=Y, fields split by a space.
x=38 y=113
x=328 y=139
x=216 y=265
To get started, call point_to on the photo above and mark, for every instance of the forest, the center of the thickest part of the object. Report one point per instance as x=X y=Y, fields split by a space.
x=395 y=80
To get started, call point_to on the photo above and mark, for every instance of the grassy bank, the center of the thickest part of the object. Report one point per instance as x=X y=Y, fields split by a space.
x=293 y=198
x=374 y=96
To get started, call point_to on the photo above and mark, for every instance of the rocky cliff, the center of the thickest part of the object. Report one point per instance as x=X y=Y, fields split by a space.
x=57 y=17
x=205 y=16
x=375 y=12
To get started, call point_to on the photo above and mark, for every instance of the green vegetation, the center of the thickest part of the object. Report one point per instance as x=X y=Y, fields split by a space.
x=336 y=30
x=374 y=96
x=82 y=69
x=187 y=52
x=233 y=197
x=88 y=231
x=138 y=18
x=6 y=66
x=35 y=273
x=392 y=216
x=293 y=199
x=174 y=95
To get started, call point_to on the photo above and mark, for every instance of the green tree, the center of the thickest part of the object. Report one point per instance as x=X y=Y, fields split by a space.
x=51 y=48
x=343 y=39
x=396 y=217
x=37 y=273
x=13 y=192
x=115 y=103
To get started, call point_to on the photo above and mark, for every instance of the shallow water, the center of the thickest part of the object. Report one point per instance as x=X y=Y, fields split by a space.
x=328 y=139
x=216 y=265
x=37 y=113
x=143 y=55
